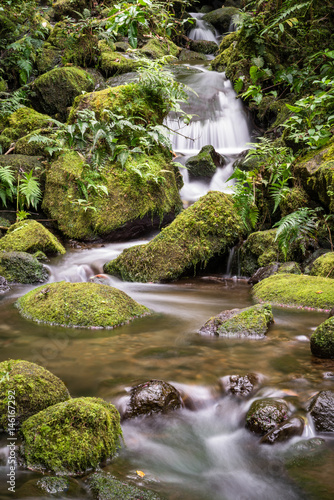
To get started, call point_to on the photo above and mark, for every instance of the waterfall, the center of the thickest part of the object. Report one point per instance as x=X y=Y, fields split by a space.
x=202 y=29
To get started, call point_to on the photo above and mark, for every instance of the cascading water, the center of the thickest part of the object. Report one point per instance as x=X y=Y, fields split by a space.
x=202 y=30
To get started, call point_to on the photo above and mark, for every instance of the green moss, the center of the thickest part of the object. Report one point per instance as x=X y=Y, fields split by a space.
x=59 y=36
x=55 y=91
x=24 y=163
x=158 y=48
x=3 y=85
x=322 y=340
x=23 y=146
x=30 y=236
x=48 y=58
x=21 y=267
x=80 y=304
x=207 y=228
x=205 y=163
x=289 y=268
x=53 y=485
x=291 y=290
x=221 y=18
x=259 y=250
x=106 y=487
x=69 y=7
x=203 y=46
x=189 y=55
x=293 y=200
x=324 y=266
x=114 y=63
x=71 y=437
x=34 y=387
x=20 y=123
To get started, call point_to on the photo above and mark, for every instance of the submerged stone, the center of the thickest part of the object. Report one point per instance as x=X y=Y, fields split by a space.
x=34 y=387
x=21 y=267
x=30 y=236
x=155 y=396
x=106 y=487
x=322 y=340
x=321 y=409
x=250 y=322
x=285 y=431
x=71 y=437
x=265 y=414
x=85 y=305
x=4 y=287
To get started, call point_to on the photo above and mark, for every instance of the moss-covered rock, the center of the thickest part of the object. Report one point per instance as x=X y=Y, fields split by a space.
x=203 y=46
x=53 y=485
x=252 y=322
x=83 y=305
x=265 y=414
x=291 y=290
x=323 y=266
x=289 y=268
x=132 y=206
x=55 y=91
x=20 y=123
x=221 y=18
x=21 y=267
x=259 y=250
x=34 y=389
x=49 y=57
x=111 y=62
x=205 y=163
x=106 y=487
x=3 y=85
x=69 y=8
x=158 y=48
x=322 y=340
x=30 y=236
x=207 y=228
x=71 y=437
x=189 y=55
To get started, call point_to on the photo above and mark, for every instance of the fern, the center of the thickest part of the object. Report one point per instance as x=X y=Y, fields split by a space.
x=285 y=15
x=29 y=190
x=6 y=184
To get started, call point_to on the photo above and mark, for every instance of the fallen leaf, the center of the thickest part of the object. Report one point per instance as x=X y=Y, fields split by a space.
x=140 y=473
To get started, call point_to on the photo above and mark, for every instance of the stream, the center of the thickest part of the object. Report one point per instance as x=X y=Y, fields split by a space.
x=202 y=453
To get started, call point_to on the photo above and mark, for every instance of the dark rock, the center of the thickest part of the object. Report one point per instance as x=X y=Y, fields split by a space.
x=155 y=396
x=22 y=267
x=249 y=322
x=203 y=46
x=240 y=386
x=322 y=411
x=265 y=414
x=293 y=427
x=107 y=487
x=305 y=451
x=221 y=18
x=264 y=272
x=205 y=163
x=322 y=340
x=331 y=313
x=4 y=287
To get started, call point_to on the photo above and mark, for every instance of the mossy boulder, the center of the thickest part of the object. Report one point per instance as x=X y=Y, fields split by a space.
x=85 y=305
x=111 y=62
x=34 y=387
x=294 y=199
x=30 y=236
x=259 y=250
x=323 y=266
x=21 y=267
x=322 y=340
x=23 y=163
x=106 y=487
x=71 y=437
x=132 y=206
x=204 y=230
x=292 y=290
x=289 y=268
x=251 y=322
x=189 y=55
x=55 y=91
x=221 y=18
x=70 y=8
x=205 y=163
x=265 y=414
x=158 y=48
x=203 y=46
x=48 y=58
x=321 y=409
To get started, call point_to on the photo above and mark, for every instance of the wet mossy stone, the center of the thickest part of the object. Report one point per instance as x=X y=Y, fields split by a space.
x=251 y=322
x=322 y=340
x=289 y=268
x=292 y=290
x=241 y=386
x=55 y=91
x=323 y=266
x=266 y=414
x=4 y=287
x=221 y=18
x=205 y=163
x=71 y=437
x=30 y=236
x=106 y=487
x=35 y=389
x=21 y=267
x=48 y=58
x=203 y=46
x=20 y=123
x=208 y=228
x=189 y=55
x=54 y=485
x=24 y=163
x=131 y=207
x=322 y=411
x=259 y=250
x=111 y=62
x=294 y=426
x=85 y=305
x=157 y=48
x=155 y=396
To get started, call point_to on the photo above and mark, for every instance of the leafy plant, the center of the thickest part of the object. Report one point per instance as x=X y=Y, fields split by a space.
x=7 y=188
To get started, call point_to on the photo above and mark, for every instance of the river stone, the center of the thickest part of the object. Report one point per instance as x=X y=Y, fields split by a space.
x=285 y=431
x=322 y=340
x=155 y=396
x=53 y=485
x=240 y=386
x=263 y=273
x=4 y=287
x=106 y=487
x=322 y=411
x=30 y=236
x=35 y=389
x=66 y=304
x=205 y=163
x=265 y=414
x=71 y=437
x=203 y=46
x=21 y=267
x=251 y=322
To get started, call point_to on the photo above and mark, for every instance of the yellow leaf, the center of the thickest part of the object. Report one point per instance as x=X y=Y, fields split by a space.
x=140 y=473
x=320 y=291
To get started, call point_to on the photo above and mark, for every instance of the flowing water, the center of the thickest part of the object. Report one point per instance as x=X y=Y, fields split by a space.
x=203 y=452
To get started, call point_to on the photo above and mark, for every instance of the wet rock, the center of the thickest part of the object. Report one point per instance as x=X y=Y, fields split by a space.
x=71 y=437
x=35 y=389
x=190 y=55
x=322 y=340
x=305 y=451
x=155 y=396
x=240 y=386
x=53 y=485
x=289 y=268
x=322 y=411
x=252 y=322
x=266 y=414
x=106 y=487
x=263 y=273
x=4 y=287
x=289 y=429
x=124 y=79
x=21 y=267
x=203 y=46
x=221 y=18
x=205 y=163
x=30 y=236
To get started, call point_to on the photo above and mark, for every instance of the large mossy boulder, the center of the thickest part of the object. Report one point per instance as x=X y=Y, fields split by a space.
x=251 y=322
x=221 y=18
x=323 y=266
x=205 y=163
x=21 y=267
x=106 y=487
x=266 y=414
x=292 y=290
x=206 y=229
x=84 y=305
x=111 y=62
x=203 y=46
x=321 y=409
x=55 y=91
x=157 y=49
x=71 y=437
x=30 y=236
x=34 y=389
x=322 y=340
x=132 y=206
